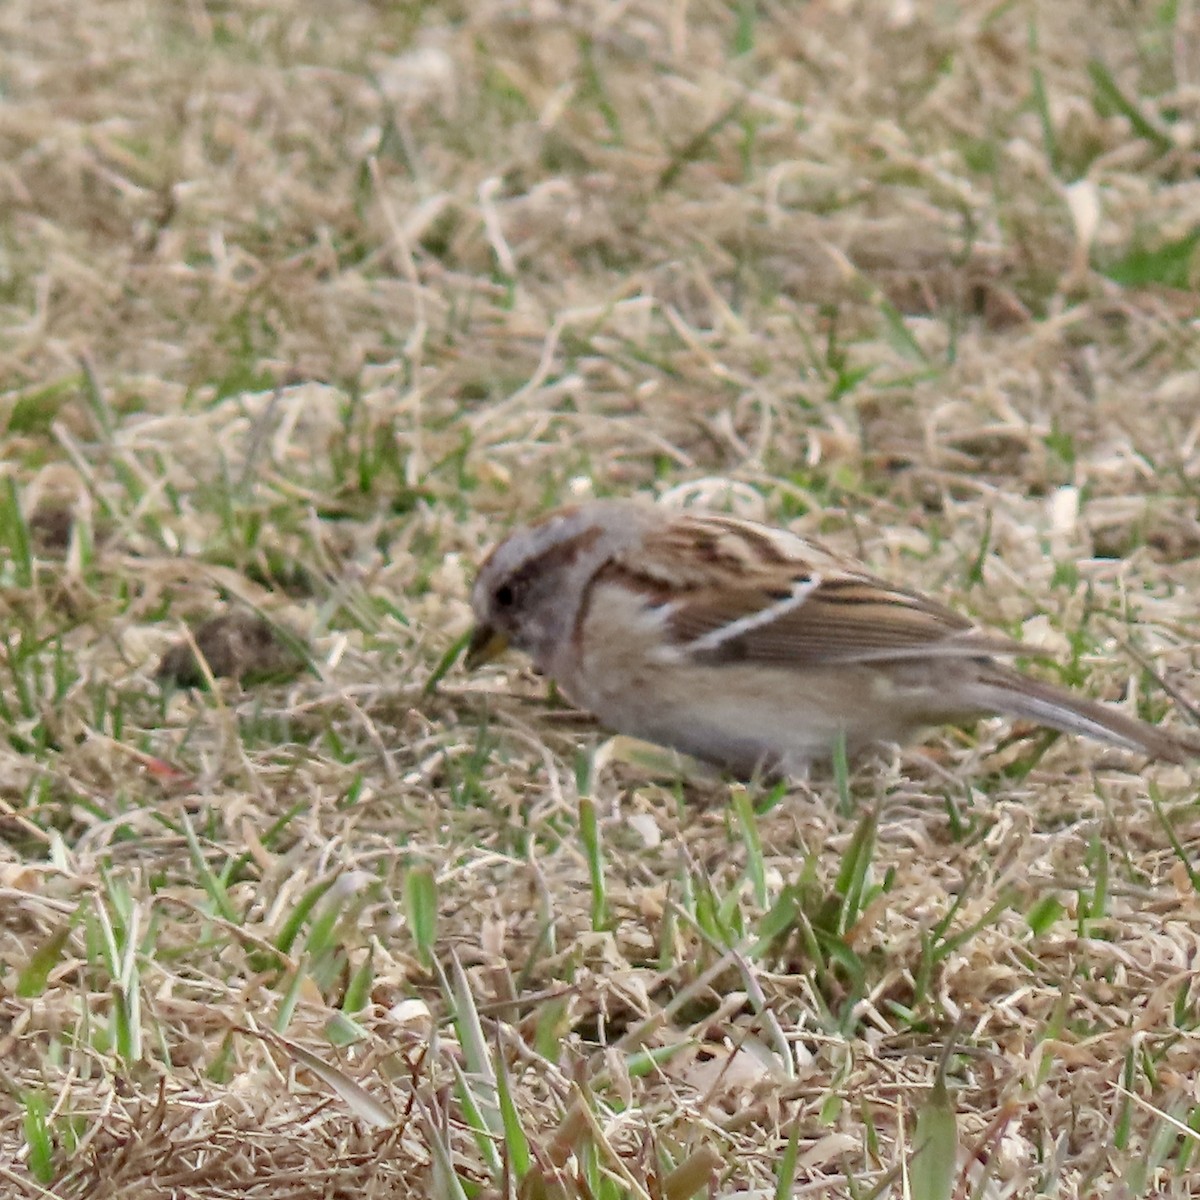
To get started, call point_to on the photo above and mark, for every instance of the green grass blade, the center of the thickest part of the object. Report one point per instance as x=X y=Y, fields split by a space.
x=421 y=909
x=1110 y=95
x=743 y=810
x=39 y=1139
x=286 y=938
x=935 y=1147
x=516 y=1143
x=589 y=834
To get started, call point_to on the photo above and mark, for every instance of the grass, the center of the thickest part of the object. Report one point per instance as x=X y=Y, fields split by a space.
x=299 y=312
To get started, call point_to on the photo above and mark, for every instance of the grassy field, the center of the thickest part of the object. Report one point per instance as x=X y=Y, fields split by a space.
x=301 y=306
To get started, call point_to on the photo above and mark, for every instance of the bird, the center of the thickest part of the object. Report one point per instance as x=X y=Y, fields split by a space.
x=750 y=647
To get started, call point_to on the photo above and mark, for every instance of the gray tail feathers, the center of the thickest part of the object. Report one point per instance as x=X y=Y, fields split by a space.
x=1000 y=690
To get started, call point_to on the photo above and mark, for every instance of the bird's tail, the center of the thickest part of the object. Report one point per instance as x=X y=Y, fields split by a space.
x=1000 y=690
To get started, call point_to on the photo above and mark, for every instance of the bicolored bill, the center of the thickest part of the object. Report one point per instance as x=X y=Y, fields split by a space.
x=485 y=645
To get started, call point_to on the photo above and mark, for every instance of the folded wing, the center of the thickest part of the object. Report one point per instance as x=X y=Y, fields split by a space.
x=795 y=605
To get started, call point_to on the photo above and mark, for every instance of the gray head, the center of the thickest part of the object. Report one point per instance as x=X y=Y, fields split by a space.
x=530 y=587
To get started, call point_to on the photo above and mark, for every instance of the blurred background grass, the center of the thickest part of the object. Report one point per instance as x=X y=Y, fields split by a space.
x=299 y=310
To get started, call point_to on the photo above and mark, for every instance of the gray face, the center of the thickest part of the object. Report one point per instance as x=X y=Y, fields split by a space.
x=530 y=587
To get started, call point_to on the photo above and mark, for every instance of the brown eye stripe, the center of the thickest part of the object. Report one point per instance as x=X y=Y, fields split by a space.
x=555 y=557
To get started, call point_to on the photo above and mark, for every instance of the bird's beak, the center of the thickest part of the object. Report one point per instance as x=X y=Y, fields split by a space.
x=486 y=644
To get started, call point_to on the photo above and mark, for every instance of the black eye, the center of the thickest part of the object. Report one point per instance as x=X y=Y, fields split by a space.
x=504 y=595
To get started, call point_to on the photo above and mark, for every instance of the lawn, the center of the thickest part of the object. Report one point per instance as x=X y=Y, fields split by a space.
x=301 y=307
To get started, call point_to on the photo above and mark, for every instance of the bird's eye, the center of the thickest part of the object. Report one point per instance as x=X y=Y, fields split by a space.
x=504 y=595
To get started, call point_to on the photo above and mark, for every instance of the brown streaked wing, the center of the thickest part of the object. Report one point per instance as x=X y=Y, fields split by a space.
x=849 y=617
x=843 y=620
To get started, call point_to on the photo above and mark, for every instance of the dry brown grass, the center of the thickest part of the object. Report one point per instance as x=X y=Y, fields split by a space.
x=298 y=311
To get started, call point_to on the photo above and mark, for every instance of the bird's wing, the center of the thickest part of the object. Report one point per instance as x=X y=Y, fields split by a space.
x=730 y=591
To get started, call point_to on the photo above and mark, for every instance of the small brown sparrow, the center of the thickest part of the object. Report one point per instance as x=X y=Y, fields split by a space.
x=750 y=647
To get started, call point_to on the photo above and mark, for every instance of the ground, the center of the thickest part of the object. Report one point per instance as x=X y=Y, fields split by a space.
x=300 y=308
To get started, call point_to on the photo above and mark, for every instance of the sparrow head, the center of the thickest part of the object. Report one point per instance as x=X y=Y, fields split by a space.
x=530 y=589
